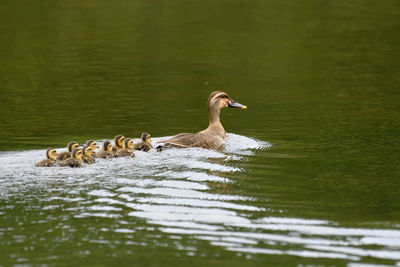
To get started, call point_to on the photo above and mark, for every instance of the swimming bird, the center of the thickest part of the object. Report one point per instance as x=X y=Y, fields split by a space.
x=75 y=160
x=67 y=154
x=118 y=144
x=145 y=144
x=128 y=150
x=87 y=155
x=214 y=135
x=50 y=161
x=106 y=151
x=92 y=144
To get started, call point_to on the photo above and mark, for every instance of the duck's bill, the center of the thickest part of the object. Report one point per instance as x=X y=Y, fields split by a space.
x=235 y=104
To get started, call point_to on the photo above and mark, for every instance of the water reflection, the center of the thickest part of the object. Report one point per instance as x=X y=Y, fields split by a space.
x=171 y=192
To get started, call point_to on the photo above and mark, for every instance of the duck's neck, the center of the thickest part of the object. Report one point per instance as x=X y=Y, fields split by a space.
x=215 y=123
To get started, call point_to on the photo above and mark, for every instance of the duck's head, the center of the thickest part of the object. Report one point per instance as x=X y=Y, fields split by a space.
x=72 y=145
x=219 y=100
x=146 y=137
x=51 y=153
x=107 y=146
x=87 y=151
x=129 y=143
x=77 y=153
x=92 y=144
x=119 y=140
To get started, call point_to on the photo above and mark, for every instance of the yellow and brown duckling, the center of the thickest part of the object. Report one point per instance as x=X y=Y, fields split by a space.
x=67 y=154
x=50 y=161
x=75 y=160
x=128 y=150
x=92 y=144
x=119 y=141
x=87 y=155
x=106 y=151
x=145 y=144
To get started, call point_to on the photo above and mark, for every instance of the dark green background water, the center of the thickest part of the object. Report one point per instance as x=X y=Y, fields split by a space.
x=320 y=79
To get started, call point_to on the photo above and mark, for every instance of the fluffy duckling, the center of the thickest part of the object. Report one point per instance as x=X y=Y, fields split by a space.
x=67 y=154
x=92 y=144
x=118 y=144
x=87 y=155
x=145 y=145
x=50 y=161
x=128 y=150
x=75 y=160
x=106 y=151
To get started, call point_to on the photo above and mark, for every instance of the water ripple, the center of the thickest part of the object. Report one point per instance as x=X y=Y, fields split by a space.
x=178 y=192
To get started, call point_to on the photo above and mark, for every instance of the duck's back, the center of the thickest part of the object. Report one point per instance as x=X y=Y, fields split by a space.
x=45 y=163
x=103 y=154
x=64 y=155
x=125 y=153
x=143 y=146
x=205 y=139
x=88 y=160
x=70 y=162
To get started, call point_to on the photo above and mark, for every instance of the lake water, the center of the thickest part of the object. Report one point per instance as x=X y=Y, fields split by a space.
x=309 y=173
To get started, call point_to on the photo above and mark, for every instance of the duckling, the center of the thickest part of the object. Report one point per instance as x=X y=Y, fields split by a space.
x=87 y=155
x=128 y=150
x=92 y=144
x=118 y=144
x=67 y=154
x=214 y=135
x=50 y=161
x=106 y=151
x=75 y=160
x=145 y=145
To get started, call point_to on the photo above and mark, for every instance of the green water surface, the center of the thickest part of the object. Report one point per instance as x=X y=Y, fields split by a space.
x=320 y=79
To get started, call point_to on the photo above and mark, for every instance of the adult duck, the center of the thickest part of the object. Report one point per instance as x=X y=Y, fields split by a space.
x=214 y=135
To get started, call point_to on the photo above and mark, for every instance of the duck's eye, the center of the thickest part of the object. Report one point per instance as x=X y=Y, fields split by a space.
x=223 y=96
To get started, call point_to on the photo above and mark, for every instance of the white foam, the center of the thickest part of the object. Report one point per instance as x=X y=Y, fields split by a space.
x=171 y=192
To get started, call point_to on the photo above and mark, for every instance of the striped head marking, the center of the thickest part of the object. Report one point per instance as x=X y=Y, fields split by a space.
x=51 y=153
x=119 y=141
x=129 y=143
x=72 y=145
x=77 y=153
x=219 y=100
x=92 y=144
x=146 y=137
x=107 y=146
x=87 y=151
